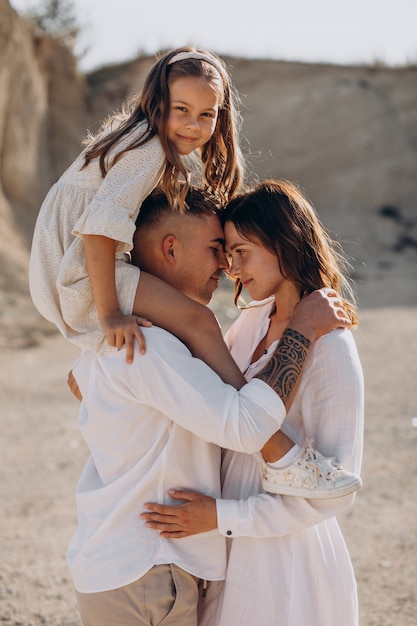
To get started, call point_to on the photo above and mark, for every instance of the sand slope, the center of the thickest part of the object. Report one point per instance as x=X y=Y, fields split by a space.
x=42 y=455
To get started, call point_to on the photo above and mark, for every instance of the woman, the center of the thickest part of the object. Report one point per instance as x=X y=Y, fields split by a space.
x=288 y=563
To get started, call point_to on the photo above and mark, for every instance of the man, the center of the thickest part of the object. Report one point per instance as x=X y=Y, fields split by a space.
x=159 y=423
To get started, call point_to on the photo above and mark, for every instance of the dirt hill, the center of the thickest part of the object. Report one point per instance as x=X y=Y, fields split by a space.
x=347 y=135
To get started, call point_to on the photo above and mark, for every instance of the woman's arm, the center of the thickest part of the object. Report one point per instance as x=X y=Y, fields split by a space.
x=330 y=404
x=331 y=398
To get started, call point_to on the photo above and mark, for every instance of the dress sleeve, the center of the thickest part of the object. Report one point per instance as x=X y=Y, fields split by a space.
x=115 y=206
x=331 y=401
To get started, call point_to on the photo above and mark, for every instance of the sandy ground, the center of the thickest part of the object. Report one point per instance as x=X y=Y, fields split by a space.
x=42 y=455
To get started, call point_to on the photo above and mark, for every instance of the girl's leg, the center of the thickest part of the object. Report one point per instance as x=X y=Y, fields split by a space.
x=190 y=321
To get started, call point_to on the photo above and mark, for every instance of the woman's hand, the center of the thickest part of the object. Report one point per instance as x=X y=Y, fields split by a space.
x=197 y=514
x=319 y=313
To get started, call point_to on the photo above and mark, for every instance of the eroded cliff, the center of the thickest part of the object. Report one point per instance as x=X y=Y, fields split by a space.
x=347 y=135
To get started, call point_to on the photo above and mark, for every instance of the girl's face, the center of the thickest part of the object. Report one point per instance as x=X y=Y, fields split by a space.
x=194 y=106
x=256 y=267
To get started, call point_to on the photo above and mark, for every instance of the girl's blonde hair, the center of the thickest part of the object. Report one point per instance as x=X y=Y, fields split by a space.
x=221 y=157
x=279 y=216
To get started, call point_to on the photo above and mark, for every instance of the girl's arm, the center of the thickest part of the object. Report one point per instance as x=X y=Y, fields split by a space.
x=111 y=217
x=119 y=329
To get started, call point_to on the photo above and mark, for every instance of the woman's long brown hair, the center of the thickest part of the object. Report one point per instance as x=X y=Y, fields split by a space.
x=279 y=216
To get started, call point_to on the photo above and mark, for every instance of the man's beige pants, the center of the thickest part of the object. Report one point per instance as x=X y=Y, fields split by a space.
x=164 y=596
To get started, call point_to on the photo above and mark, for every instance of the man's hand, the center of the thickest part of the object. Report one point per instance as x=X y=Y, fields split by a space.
x=122 y=330
x=319 y=313
x=197 y=515
x=73 y=386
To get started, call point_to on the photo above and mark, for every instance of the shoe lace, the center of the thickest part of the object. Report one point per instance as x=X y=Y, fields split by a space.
x=326 y=466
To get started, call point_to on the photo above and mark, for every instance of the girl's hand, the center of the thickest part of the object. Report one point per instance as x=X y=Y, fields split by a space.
x=197 y=515
x=121 y=330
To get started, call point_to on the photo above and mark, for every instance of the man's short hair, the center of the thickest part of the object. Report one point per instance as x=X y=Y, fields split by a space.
x=197 y=203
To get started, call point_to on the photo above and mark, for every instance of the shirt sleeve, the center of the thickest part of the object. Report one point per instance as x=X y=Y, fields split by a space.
x=331 y=399
x=115 y=207
x=169 y=380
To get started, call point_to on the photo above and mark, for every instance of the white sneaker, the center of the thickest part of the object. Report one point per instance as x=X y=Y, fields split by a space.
x=310 y=475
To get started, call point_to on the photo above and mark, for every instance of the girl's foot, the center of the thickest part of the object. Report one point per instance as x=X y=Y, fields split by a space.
x=309 y=475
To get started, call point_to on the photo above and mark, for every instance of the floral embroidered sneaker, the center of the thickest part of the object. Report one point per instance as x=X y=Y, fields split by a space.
x=310 y=475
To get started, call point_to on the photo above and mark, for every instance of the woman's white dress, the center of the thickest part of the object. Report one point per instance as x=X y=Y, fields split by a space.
x=288 y=564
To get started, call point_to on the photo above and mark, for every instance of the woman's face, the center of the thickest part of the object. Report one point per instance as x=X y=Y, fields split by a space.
x=256 y=267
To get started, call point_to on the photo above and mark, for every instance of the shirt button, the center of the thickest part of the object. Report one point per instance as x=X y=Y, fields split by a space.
x=229 y=532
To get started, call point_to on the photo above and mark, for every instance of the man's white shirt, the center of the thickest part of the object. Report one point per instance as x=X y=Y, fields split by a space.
x=153 y=425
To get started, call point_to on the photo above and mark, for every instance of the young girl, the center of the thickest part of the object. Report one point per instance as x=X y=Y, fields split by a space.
x=288 y=563
x=79 y=279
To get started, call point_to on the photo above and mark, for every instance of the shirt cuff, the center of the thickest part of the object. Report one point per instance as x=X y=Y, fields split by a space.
x=262 y=394
x=229 y=516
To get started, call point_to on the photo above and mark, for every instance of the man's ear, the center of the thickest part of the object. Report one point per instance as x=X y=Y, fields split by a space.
x=169 y=248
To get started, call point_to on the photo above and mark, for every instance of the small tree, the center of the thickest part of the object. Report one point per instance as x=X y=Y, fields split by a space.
x=58 y=19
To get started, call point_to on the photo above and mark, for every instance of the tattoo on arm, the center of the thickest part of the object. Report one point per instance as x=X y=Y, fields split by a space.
x=282 y=371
